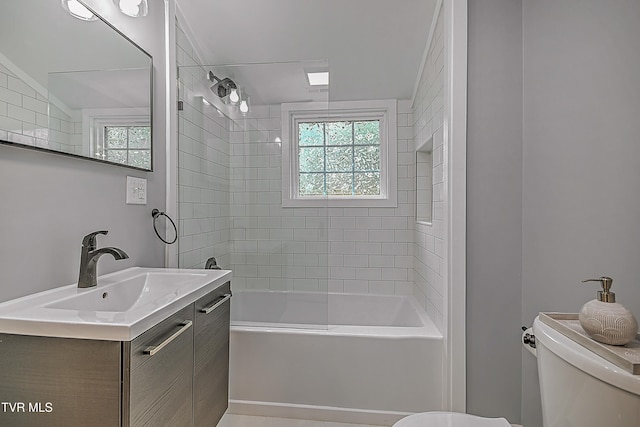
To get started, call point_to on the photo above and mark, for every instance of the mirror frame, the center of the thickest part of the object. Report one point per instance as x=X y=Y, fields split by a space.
x=93 y=159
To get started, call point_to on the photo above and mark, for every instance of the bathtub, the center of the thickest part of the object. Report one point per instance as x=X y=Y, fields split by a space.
x=336 y=357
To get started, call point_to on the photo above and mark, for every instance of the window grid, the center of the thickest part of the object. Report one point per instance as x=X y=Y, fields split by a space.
x=133 y=156
x=352 y=145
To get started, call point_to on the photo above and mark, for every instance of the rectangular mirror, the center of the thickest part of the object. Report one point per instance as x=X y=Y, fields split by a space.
x=71 y=86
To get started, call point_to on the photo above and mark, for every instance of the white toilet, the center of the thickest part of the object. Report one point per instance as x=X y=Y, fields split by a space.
x=578 y=388
x=449 y=419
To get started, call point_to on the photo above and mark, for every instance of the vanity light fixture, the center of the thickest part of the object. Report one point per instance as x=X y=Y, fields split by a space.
x=133 y=8
x=78 y=10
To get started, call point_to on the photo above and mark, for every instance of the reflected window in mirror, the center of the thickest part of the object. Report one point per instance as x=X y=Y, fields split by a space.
x=62 y=70
x=128 y=145
x=118 y=136
x=424 y=182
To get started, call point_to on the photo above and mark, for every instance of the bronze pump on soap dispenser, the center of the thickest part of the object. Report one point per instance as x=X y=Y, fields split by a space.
x=605 y=320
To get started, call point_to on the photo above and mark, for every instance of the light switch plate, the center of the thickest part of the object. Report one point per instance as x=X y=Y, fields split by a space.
x=136 y=191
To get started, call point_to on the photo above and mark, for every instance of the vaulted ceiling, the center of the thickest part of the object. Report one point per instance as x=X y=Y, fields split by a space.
x=373 y=48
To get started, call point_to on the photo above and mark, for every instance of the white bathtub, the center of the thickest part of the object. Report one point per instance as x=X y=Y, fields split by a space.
x=338 y=357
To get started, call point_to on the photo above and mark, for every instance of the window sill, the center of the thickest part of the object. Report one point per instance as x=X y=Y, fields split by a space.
x=332 y=202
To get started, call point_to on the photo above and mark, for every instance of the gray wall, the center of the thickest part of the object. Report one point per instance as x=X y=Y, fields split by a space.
x=49 y=202
x=494 y=208
x=581 y=156
x=572 y=86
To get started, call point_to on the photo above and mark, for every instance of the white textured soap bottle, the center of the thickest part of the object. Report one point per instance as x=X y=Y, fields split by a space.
x=605 y=320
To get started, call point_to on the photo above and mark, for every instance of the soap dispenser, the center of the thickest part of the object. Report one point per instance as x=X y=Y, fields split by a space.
x=605 y=320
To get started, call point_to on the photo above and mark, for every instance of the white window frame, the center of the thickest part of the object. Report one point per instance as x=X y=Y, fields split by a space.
x=383 y=110
x=94 y=120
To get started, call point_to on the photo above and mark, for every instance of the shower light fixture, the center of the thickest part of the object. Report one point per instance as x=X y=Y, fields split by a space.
x=78 y=10
x=244 y=105
x=224 y=87
x=133 y=8
x=227 y=90
x=234 y=96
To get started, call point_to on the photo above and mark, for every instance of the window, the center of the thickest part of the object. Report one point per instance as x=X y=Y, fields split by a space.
x=344 y=155
x=339 y=158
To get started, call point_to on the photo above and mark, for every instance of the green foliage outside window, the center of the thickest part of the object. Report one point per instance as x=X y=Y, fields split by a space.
x=339 y=158
x=129 y=145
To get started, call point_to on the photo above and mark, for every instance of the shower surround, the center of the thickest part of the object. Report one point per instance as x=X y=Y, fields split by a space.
x=353 y=250
x=230 y=186
x=230 y=207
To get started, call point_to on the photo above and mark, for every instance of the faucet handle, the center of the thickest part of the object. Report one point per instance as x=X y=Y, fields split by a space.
x=89 y=240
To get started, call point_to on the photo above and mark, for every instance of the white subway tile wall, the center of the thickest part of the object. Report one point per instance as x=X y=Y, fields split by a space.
x=26 y=117
x=229 y=176
x=428 y=241
x=203 y=170
x=358 y=250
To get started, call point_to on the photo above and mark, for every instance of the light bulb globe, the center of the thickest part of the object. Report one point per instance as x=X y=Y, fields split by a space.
x=234 y=96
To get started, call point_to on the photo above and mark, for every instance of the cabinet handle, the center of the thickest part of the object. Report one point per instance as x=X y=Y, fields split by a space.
x=215 y=305
x=153 y=349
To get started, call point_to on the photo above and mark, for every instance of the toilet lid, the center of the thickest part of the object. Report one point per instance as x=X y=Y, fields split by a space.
x=449 y=419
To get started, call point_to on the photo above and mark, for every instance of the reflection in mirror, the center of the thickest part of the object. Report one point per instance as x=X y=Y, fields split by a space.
x=424 y=182
x=73 y=86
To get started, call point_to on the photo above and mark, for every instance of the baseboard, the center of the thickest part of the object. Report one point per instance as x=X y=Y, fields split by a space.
x=317 y=413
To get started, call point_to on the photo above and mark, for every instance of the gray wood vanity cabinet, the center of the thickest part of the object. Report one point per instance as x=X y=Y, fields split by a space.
x=159 y=384
x=211 y=371
x=174 y=374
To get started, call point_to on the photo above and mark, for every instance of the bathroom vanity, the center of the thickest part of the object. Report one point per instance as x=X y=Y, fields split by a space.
x=174 y=373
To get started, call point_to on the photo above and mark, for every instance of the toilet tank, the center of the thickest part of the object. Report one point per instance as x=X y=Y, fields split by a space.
x=579 y=388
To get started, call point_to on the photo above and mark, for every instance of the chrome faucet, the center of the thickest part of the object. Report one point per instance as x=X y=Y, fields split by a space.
x=89 y=259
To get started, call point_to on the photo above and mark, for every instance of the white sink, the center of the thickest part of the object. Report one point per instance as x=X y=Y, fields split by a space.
x=121 y=307
x=151 y=288
x=110 y=298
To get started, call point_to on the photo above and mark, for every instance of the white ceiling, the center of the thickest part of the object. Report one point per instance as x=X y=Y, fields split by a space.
x=82 y=64
x=40 y=37
x=373 y=48
x=127 y=88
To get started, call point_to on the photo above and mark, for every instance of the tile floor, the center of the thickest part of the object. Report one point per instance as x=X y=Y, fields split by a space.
x=232 y=420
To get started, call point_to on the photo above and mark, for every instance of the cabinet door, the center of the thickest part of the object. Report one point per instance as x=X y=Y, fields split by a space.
x=161 y=373
x=211 y=375
x=59 y=382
